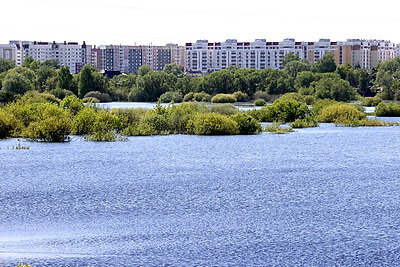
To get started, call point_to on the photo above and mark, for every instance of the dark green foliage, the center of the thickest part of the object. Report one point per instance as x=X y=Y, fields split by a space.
x=325 y=64
x=223 y=98
x=174 y=69
x=72 y=103
x=387 y=110
x=64 y=78
x=224 y=109
x=336 y=89
x=6 y=64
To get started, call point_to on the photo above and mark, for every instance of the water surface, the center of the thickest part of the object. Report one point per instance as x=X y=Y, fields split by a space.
x=326 y=196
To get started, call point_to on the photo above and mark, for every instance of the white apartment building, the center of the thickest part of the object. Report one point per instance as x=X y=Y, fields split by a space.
x=69 y=54
x=204 y=57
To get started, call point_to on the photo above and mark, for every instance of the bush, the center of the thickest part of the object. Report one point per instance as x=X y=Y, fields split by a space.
x=90 y=100
x=246 y=124
x=340 y=112
x=288 y=110
x=212 y=124
x=276 y=128
x=240 y=96
x=103 y=97
x=61 y=93
x=224 y=109
x=223 y=98
x=387 y=110
x=262 y=115
x=8 y=124
x=156 y=121
x=51 y=129
x=371 y=101
x=307 y=122
x=188 y=97
x=169 y=96
x=83 y=122
x=260 y=102
x=202 y=97
x=72 y=103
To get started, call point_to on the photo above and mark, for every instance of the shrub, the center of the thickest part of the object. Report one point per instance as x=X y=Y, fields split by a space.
x=90 y=100
x=260 y=102
x=188 y=97
x=307 y=122
x=8 y=124
x=170 y=96
x=103 y=97
x=83 y=122
x=340 y=112
x=72 y=103
x=288 y=110
x=61 y=93
x=261 y=95
x=156 y=121
x=51 y=129
x=223 y=98
x=246 y=124
x=387 y=110
x=371 y=101
x=278 y=129
x=296 y=96
x=262 y=115
x=240 y=96
x=212 y=124
x=224 y=109
x=140 y=129
x=202 y=97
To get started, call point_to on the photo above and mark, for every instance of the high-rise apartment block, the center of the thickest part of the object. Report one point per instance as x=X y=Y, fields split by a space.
x=201 y=56
x=204 y=57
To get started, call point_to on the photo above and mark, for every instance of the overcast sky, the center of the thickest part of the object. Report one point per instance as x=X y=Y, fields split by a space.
x=129 y=22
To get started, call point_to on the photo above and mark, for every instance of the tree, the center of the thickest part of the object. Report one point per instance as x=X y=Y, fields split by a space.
x=45 y=78
x=31 y=63
x=143 y=70
x=174 y=69
x=86 y=81
x=16 y=83
x=295 y=67
x=6 y=64
x=325 y=64
x=64 y=78
x=387 y=77
x=275 y=82
x=336 y=89
x=289 y=57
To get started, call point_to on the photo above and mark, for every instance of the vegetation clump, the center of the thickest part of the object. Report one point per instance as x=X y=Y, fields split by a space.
x=260 y=102
x=278 y=129
x=387 y=110
x=223 y=98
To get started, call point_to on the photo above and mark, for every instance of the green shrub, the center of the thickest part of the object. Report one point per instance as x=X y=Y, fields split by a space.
x=188 y=97
x=83 y=122
x=371 y=101
x=240 y=96
x=8 y=124
x=296 y=96
x=212 y=124
x=262 y=115
x=171 y=96
x=72 y=103
x=103 y=97
x=51 y=129
x=223 y=98
x=156 y=121
x=224 y=109
x=366 y=122
x=340 y=112
x=261 y=95
x=246 y=123
x=140 y=129
x=260 y=102
x=130 y=115
x=288 y=110
x=307 y=122
x=61 y=93
x=90 y=100
x=278 y=129
x=202 y=97
x=320 y=104
x=387 y=110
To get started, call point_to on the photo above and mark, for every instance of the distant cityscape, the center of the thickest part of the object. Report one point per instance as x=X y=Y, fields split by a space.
x=201 y=56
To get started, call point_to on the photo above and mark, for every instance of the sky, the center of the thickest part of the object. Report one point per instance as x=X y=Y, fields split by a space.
x=158 y=22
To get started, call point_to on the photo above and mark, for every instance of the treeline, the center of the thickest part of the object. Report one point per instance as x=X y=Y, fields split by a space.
x=43 y=117
x=323 y=80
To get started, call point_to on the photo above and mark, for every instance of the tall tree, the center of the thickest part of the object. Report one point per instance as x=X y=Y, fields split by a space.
x=64 y=78
x=6 y=64
x=86 y=81
x=325 y=64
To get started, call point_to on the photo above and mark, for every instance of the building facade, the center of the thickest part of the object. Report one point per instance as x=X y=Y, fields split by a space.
x=204 y=57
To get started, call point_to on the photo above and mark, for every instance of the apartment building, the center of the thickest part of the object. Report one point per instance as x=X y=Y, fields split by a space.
x=128 y=59
x=204 y=57
x=69 y=54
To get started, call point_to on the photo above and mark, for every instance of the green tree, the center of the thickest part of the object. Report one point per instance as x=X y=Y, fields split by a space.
x=336 y=89
x=174 y=69
x=387 y=77
x=16 y=84
x=143 y=70
x=64 y=78
x=6 y=64
x=295 y=67
x=45 y=78
x=289 y=57
x=31 y=63
x=325 y=64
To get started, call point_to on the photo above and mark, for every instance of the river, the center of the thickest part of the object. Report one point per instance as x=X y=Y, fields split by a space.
x=326 y=196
